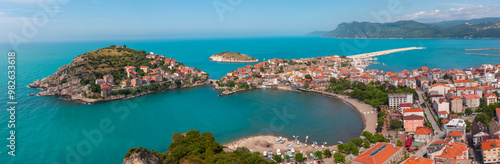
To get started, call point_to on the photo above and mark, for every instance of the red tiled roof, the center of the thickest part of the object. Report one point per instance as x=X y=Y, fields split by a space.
x=423 y=131
x=443 y=112
x=490 y=94
x=454 y=150
x=418 y=160
x=413 y=110
x=455 y=134
x=472 y=96
x=378 y=158
x=490 y=144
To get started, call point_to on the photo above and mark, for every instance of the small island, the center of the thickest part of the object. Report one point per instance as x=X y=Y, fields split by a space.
x=231 y=57
x=117 y=73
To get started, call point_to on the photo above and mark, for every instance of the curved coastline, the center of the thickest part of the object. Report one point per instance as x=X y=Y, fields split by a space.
x=255 y=142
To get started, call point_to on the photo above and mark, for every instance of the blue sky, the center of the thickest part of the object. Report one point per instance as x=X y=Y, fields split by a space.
x=71 y=20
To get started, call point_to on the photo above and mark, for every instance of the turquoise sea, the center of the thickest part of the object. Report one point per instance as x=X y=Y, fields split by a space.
x=50 y=130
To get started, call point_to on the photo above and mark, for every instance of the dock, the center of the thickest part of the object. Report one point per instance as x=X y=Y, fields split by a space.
x=385 y=52
x=482 y=49
x=482 y=54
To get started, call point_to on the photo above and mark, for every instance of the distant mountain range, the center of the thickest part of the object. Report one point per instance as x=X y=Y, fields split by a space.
x=474 y=28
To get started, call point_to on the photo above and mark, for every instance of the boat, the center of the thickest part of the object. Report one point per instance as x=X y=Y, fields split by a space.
x=298 y=142
x=31 y=94
x=384 y=64
x=339 y=142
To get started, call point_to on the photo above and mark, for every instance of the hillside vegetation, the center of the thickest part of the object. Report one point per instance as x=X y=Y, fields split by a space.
x=413 y=29
x=193 y=147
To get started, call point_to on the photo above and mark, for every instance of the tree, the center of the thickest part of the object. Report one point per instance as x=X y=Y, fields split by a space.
x=308 y=77
x=339 y=157
x=358 y=141
x=95 y=88
x=299 y=157
x=468 y=111
x=277 y=158
x=380 y=121
x=396 y=124
x=341 y=147
x=468 y=127
x=178 y=83
x=306 y=85
x=399 y=143
x=366 y=144
x=355 y=150
x=319 y=154
x=327 y=153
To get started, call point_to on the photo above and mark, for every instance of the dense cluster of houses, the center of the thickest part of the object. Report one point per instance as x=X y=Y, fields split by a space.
x=278 y=72
x=449 y=92
x=155 y=75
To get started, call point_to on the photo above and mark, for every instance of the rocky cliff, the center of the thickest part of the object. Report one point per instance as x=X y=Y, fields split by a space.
x=63 y=82
x=142 y=157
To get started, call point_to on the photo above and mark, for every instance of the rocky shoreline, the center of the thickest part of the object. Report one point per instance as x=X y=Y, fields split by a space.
x=53 y=91
x=223 y=60
x=231 y=57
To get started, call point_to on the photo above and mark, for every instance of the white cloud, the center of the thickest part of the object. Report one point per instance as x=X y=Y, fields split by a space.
x=470 y=12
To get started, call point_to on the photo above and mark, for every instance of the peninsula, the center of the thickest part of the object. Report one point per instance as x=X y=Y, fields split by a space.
x=118 y=72
x=231 y=57
x=467 y=29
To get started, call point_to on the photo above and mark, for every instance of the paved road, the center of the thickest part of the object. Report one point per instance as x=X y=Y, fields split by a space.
x=421 y=152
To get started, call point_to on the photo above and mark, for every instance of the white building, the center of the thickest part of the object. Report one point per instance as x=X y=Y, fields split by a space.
x=441 y=107
x=399 y=98
x=455 y=125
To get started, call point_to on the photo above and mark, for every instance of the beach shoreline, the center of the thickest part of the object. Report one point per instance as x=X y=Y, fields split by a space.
x=260 y=143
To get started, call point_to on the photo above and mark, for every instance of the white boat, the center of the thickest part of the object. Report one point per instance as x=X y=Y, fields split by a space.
x=298 y=142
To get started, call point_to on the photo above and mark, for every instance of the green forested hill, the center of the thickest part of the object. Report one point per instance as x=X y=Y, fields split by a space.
x=413 y=29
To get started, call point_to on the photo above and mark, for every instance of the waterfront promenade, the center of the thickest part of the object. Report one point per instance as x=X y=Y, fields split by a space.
x=385 y=52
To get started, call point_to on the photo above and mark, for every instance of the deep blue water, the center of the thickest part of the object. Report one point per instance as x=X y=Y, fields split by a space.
x=49 y=130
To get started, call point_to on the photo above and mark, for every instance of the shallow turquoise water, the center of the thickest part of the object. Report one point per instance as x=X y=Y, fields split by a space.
x=49 y=129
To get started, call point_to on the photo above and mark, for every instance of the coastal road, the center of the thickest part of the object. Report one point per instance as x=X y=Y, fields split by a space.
x=421 y=152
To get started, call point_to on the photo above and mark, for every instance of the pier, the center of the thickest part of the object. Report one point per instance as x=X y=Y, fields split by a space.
x=483 y=49
x=482 y=54
x=385 y=52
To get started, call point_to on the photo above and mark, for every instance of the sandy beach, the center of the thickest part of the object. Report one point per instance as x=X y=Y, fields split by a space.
x=263 y=143
x=368 y=113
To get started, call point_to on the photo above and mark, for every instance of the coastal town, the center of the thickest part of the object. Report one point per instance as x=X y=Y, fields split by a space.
x=426 y=115
x=116 y=73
